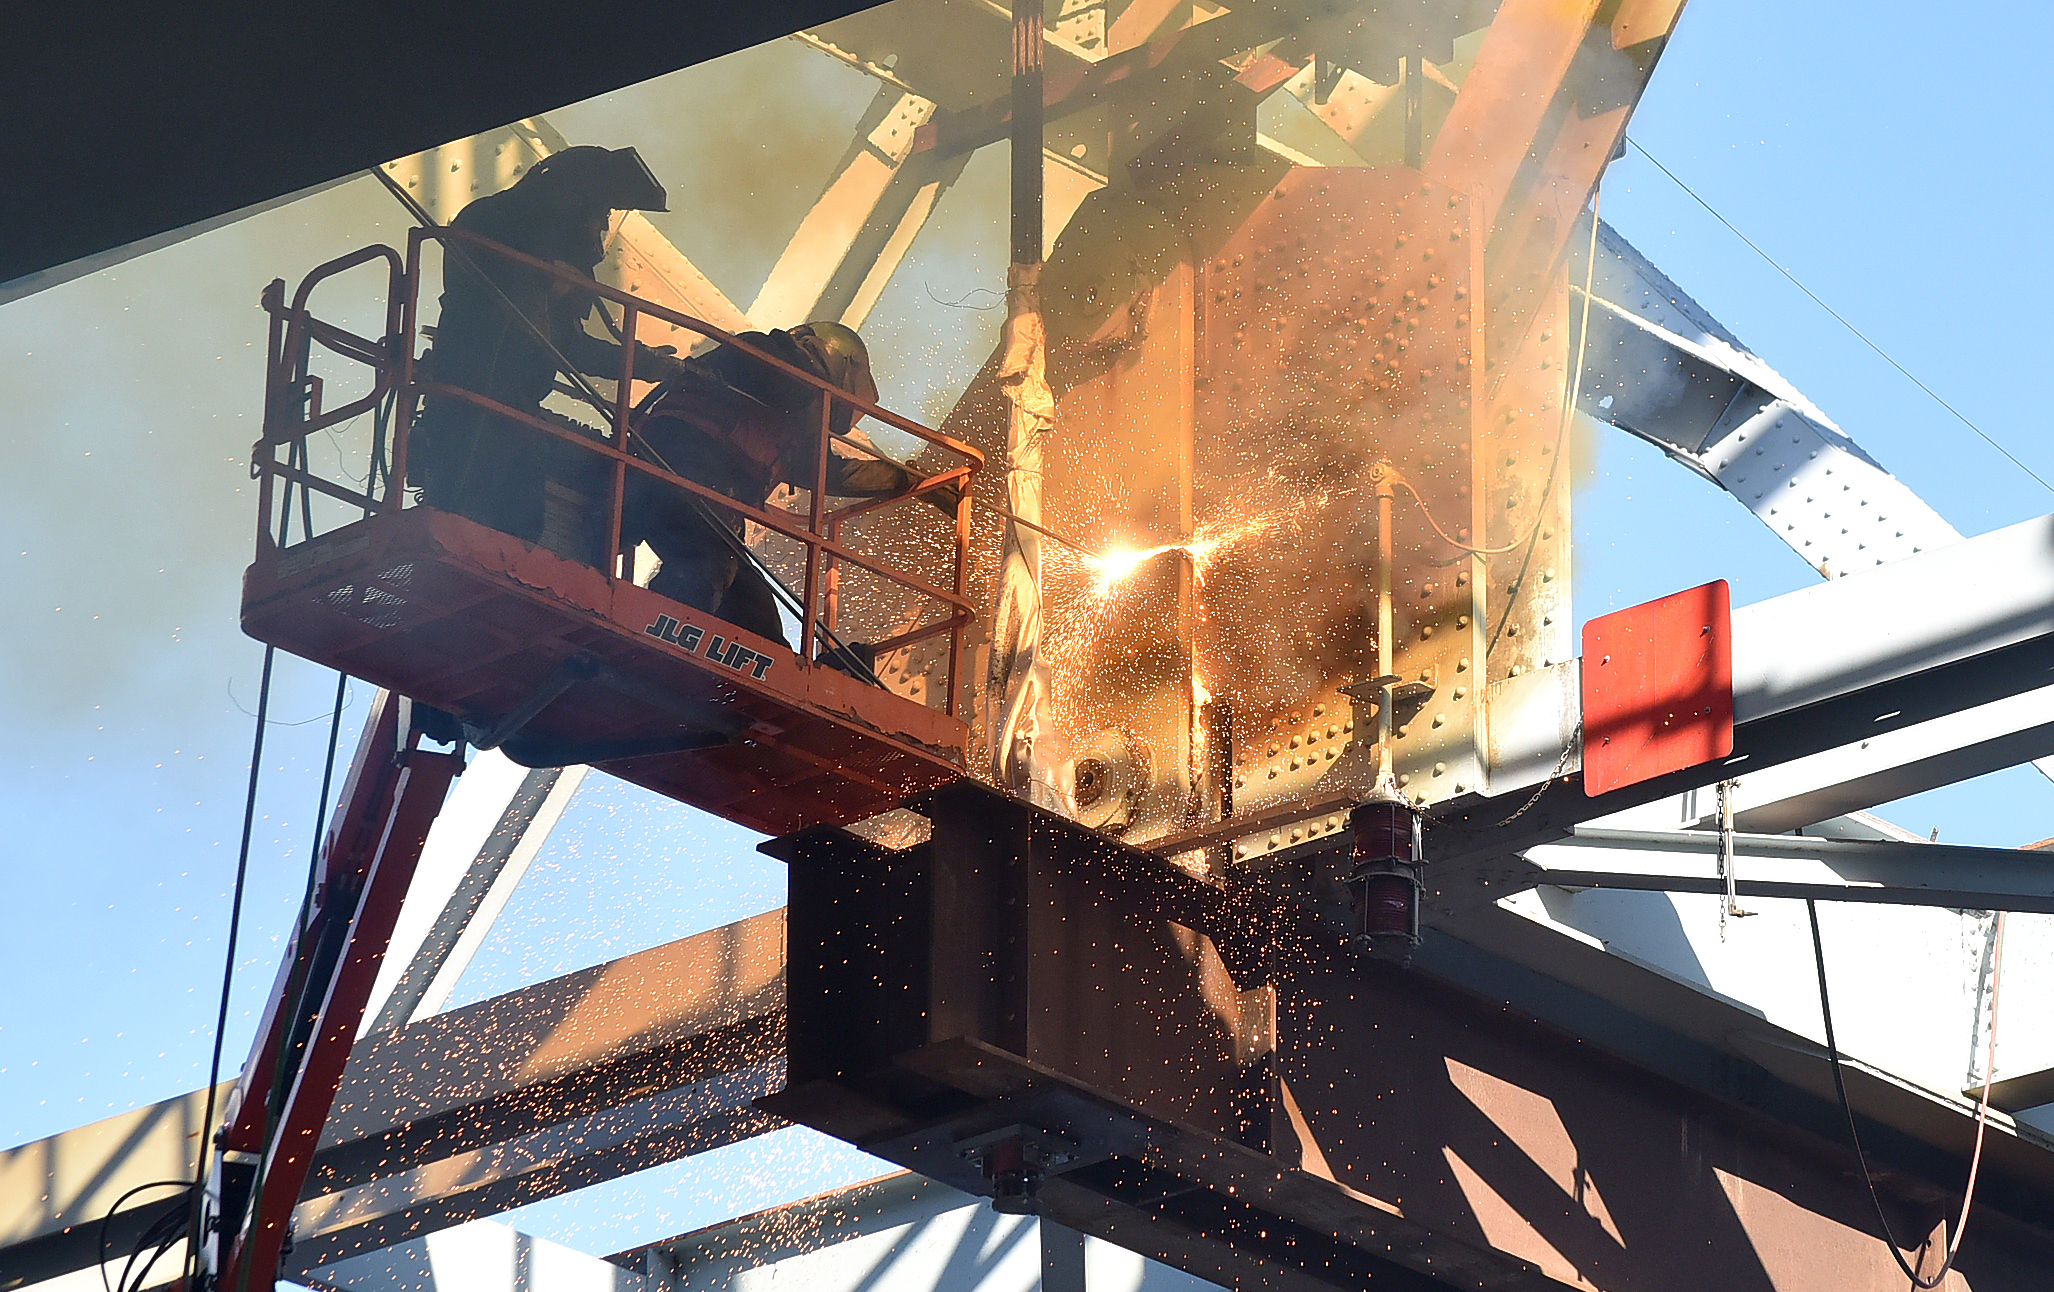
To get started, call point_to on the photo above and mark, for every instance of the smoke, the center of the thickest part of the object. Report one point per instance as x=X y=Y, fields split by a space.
x=744 y=145
x=136 y=394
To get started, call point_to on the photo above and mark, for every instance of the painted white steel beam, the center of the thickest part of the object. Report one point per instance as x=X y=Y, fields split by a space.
x=495 y=822
x=1895 y=765
x=1940 y=606
x=1661 y=367
x=863 y=206
x=1781 y=865
x=481 y=1256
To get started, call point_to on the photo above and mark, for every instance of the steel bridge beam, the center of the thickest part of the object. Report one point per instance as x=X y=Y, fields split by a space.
x=1782 y=865
x=1855 y=659
x=1662 y=368
x=524 y=1096
x=1188 y=1065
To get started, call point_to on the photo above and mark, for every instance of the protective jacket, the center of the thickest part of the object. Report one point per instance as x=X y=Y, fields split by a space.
x=740 y=426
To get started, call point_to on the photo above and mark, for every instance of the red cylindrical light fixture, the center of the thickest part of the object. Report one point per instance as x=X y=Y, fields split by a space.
x=1386 y=877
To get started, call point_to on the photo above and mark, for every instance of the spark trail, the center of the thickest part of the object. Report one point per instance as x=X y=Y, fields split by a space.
x=1116 y=564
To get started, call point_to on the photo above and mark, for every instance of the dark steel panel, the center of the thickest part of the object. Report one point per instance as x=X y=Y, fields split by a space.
x=1416 y=1136
x=262 y=100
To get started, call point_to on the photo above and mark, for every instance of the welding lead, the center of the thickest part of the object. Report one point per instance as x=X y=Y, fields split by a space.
x=1386 y=878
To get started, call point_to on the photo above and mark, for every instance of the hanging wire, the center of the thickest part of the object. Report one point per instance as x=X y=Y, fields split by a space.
x=1860 y=335
x=242 y=868
x=141 y=1242
x=1975 y=1162
x=1445 y=537
x=164 y=1233
x=1540 y=515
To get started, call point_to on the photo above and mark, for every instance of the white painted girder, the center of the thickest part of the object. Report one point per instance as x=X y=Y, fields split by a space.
x=1782 y=865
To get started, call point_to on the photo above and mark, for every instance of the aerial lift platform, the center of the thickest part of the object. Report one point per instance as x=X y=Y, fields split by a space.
x=560 y=662
x=547 y=657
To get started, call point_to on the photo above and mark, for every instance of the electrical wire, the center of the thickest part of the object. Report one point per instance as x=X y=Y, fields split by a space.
x=1975 y=1162
x=1540 y=515
x=242 y=868
x=164 y=1232
x=114 y=1209
x=1420 y=502
x=1841 y=318
x=297 y=982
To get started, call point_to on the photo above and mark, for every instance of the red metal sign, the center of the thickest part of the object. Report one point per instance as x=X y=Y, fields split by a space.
x=1657 y=688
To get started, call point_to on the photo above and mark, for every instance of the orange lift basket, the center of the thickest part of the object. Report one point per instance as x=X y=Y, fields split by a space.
x=560 y=662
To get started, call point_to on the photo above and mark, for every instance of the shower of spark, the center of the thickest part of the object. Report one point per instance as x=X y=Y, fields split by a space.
x=1114 y=565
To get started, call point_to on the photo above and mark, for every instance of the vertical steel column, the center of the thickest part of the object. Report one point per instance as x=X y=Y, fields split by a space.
x=1027 y=132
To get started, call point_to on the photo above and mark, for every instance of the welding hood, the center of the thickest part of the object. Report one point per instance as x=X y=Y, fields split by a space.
x=618 y=176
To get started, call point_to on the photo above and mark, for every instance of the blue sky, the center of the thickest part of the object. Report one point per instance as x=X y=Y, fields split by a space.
x=1903 y=186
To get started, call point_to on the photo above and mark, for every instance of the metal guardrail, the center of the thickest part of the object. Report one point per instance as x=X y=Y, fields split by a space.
x=293 y=411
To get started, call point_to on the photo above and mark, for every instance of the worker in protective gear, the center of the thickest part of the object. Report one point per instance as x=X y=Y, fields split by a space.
x=742 y=427
x=506 y=331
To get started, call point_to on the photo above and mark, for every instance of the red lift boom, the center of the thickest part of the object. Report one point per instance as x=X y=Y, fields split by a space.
x=520 y=642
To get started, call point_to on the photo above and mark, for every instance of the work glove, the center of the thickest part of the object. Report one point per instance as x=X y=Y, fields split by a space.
x=946 y=497
x=658 y=364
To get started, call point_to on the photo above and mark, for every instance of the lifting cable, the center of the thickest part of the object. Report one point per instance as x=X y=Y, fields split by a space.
x=1840 y=318
x=194 y=1232
x=1975 y=1162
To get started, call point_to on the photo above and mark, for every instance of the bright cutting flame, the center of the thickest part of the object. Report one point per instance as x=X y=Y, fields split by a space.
x=1114 y=565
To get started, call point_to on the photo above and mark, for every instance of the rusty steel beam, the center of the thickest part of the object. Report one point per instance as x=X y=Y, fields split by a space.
x=562 y=1049
x=1208 y=1075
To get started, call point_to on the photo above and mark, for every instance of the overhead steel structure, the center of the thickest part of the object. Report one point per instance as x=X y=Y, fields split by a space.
x=1147 y=1017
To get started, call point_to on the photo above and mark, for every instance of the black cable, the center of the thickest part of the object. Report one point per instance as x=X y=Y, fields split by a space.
x=297 y=982
x=164 y=1233
x=242 y=867
x=321 y=812
x=109 y=1218
x=1841 y=318
x=1811 y=909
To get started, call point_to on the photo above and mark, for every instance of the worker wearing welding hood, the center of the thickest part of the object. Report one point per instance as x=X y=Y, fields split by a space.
x=506 y=331
x=742 y=427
